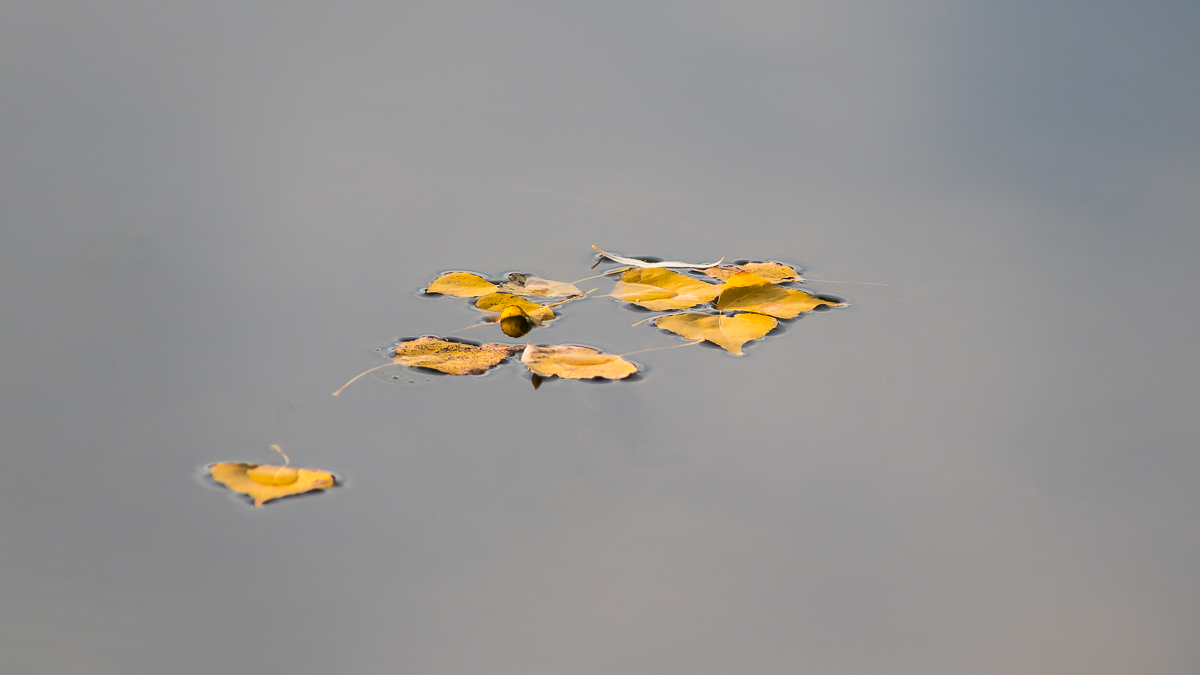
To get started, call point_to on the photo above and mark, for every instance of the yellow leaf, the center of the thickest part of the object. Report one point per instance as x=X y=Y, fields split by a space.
x=496 y=302
x=461 y=285
x=574 y=362
x=523 y=284
x=661 y=289
x=749 y=292
x=248 y=479
x=515 y=322
x=730 y=332
x=776 y=273
x=454 y=358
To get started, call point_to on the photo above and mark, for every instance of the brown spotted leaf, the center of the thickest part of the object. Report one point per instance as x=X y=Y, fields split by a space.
x=524 y=284
x=453 y=358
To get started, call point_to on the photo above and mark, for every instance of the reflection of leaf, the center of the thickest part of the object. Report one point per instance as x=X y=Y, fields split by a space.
x=776 y=273
x=523 y=284
x=749 y=292
x=496 y=302
x=461 y=285
x=660 y=289
x=642 y=263
x=454 y=358
x=730 y=332
x=263 y=482
x=574 y=362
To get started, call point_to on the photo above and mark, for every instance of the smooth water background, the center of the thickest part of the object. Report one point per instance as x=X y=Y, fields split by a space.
x=212 y=215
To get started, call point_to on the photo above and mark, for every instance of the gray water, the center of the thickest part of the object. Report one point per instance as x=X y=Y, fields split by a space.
x=212 y=215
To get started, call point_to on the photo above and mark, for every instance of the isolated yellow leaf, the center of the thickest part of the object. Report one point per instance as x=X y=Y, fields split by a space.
x=730 y=332
x=496 y=302
x=776 y=273
x=661 y=289
x=574 y=362
x=454 y=358
x=461 y=285
x=263 y=482
x=749 y=292
x=523 y=284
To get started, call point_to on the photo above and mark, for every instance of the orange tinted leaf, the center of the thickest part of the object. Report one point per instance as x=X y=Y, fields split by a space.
x=661 y=289
x=749 y=292
x=461 y=285
x=730 y=332
x=496 y=302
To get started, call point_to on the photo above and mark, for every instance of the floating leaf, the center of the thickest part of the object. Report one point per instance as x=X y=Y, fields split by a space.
x=515 y=322
x=574 y=362
x=642 y=263
x=730 y=332
x=496 y=302
x=454 y=358
x=749 y=292
x=461 y=285
x=523 y=284
x=776 y=273
x=660 y=289
x=264 y=482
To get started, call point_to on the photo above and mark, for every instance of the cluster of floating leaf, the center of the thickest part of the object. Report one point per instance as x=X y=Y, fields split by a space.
x=745 y=302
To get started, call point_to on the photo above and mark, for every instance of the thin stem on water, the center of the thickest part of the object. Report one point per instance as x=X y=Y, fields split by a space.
x=654 y=349
x=360 y=375
x=563 y=302
x=616 y=271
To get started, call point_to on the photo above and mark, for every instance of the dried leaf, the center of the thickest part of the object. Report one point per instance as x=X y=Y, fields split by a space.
x=749 y=292
x=660 y=289
x=496 y=302
x=776 y=273
x=461 y=285
x=574 y=362
x=642 y=263
x=454 y=358
x=523 y=284
x=730 y=332
x=264 y=482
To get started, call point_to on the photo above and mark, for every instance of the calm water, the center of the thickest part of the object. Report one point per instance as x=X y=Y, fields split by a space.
x=212 y=217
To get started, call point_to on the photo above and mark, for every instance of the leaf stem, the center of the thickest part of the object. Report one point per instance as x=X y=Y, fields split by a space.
x=361 y=374
x=278 y=449
x=654 y=349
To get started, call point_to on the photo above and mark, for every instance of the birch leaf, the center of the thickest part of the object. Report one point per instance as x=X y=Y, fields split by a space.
x=496 y=302
x=660 y=289
x=574 y=362
x=264 y=482
x=461 y=285
x=776 y=273
x=453 y=358
x=730 y=332
x=642 y=263
x=749 y=292
x=524 y=284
